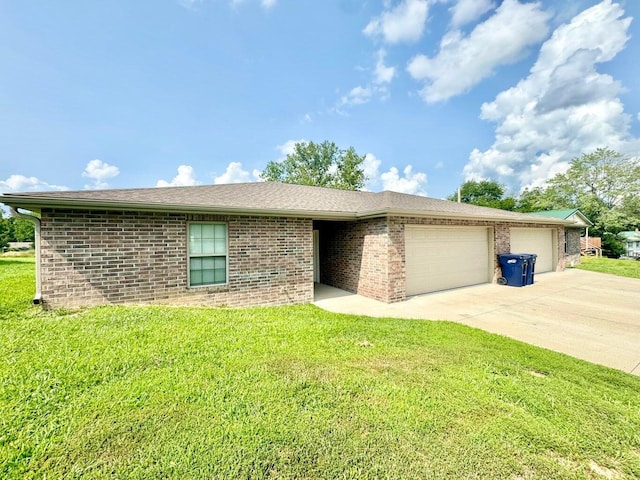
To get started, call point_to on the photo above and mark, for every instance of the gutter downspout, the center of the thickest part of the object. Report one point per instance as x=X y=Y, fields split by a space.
x=37 y=299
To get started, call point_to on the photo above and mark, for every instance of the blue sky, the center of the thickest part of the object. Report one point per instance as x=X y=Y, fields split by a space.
x=145 y=93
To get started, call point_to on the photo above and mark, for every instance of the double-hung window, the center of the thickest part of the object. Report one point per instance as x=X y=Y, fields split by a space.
x=207 y=254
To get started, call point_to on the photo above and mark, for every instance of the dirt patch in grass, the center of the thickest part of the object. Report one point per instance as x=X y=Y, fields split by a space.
x=604 y=472
x=19 y=253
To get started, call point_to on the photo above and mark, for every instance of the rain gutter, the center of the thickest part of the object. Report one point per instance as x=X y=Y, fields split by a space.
x=37 y=299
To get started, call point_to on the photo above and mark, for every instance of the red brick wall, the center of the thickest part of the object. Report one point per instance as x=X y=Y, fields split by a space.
x=501 y=244
x=353 y=256
x=563 y=258
x=572 y=256
x=91 y=258
x=573 y=241
x=98 y=257
x=368 y=257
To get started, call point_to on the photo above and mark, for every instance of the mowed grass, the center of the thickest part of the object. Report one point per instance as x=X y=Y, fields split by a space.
x=295 y=392
x=622 y=268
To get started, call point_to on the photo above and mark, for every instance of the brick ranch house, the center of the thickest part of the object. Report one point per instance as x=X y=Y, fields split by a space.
x=268 y=243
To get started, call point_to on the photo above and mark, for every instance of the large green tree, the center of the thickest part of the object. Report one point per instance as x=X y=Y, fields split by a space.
x=23 y=230
x=320 y=164
x=485 y=193
x=604 y=185
x=15 y=230
x=5 y=232
x=540 y=199
x=604 y=177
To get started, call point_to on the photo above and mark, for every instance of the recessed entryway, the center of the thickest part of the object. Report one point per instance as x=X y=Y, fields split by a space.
x=316 y=256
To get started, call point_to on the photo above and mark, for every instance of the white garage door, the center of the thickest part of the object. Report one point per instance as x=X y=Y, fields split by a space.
x=535 y=240
x=439 y=258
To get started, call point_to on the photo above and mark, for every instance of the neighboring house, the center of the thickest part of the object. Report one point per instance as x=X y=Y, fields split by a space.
x=591 y=246
x=267 y=243
x=632 y=243
x=573 y=233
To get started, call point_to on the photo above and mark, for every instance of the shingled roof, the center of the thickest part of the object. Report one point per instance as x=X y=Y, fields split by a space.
x=265 y=198
x=573 y=214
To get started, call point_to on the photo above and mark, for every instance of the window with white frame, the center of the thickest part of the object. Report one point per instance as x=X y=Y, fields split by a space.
x=207 y=254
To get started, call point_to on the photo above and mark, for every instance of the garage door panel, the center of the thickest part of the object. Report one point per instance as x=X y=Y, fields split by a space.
x=441 y=258
x=425 y=282
x=538 y=241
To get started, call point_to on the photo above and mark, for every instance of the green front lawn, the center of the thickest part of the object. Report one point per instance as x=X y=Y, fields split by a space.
x=622 y=268
x=295 y=392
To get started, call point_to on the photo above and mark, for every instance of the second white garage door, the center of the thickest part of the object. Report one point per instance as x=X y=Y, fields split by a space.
x=538 y=241
x=439 y=258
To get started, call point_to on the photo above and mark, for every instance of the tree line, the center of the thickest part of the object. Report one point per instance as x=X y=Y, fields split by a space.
x=15 y=230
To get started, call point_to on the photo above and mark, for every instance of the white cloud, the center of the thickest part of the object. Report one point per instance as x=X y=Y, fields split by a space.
x=370 y=166
x=99 y=172
x=411 y=182
x=185 y=178
x=236 y=174
x=467 y=11
x=404 y=23
x=563 y=108
x=463 y=61
x=357 y=96
x=383 y=73
x=288 y=147
x=21 y=183
x=376 y=88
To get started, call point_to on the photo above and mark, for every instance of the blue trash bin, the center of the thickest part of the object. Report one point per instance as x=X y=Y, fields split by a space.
x=514 y=269
x=531 y=268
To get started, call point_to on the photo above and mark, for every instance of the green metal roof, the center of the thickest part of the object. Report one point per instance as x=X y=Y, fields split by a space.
x=631 y=236
x=563 y=214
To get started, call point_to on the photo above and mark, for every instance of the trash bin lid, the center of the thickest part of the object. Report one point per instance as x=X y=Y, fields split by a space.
x=512 y=256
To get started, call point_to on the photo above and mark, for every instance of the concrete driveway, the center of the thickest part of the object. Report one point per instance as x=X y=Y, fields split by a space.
x=592 y=316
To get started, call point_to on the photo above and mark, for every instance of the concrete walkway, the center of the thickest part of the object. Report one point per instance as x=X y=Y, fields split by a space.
x=592 y=316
